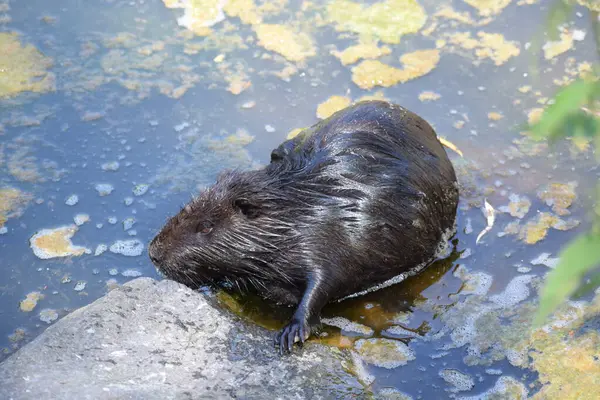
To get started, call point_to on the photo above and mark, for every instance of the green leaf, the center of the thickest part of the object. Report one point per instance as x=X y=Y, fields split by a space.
x=568 y=101
x=578 y=257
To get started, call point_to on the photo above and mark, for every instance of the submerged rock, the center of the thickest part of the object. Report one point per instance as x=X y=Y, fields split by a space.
x=161 y=340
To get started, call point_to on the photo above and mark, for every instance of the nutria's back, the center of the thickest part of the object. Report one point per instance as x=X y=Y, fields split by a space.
x=384 y=179
x=351 y=202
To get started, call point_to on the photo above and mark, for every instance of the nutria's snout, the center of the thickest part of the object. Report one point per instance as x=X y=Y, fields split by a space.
x=154 y=253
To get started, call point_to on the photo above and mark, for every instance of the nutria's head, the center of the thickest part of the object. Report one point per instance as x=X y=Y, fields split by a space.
x=226 y=234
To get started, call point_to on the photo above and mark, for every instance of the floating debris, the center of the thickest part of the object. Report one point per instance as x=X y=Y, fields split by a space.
x=111 y=166
x=294 y=46
x=112 y=284
x=591 y=4
x=493 y=371
x=131 y=273
x=534 y=115
x=248 y=105
x=537 y=228
x=18 y=335
x=72 y=200
x=128 y=201
x=525 y=89
x=468 y=227
x=488 y=45
x=29 y=303
x=515 y=292
x=495 y=116
x=128 y=223
x=80 y=286
x=371 y=73
x=348 y=327
x=559 y=196
x=199 y=15
x=141 y=189
x=92 y=116
x=386 y=20
x=385 y=353
x=81 y=219
x=488 y=8
x=461 y=381
x=545 y=259
x=490 y=215
x=429 y=96
x=466 y=253
x=367 y=51
x=52 y=243
x=48 y=315
x=130 y=248
x=518 y=207
x=565 y=354
x=392 y=394
x=104 y=189
x=101 y=248
x=332 y=105
x=476 y=283
x=553 y=49
x=113 y=272
x=23 y=68
x=506 y=387
x=398 y=332
x=12 y=203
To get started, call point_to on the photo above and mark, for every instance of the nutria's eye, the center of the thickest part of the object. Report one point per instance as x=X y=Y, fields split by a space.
x=204 y=228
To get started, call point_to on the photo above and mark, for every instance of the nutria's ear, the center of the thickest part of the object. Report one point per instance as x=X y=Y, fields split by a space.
x=247 y=208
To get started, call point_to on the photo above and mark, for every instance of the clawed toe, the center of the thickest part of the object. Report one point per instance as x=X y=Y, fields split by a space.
x=295 y=331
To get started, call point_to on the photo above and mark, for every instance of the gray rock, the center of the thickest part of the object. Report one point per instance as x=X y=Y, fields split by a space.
x=161 y=340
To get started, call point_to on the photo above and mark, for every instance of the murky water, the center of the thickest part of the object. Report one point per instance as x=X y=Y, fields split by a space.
x=141 y=101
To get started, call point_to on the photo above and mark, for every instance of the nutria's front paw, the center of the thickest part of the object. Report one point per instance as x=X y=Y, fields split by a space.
x=295 y=331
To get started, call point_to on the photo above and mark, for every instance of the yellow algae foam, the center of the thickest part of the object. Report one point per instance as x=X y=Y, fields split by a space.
x=31 y=301
x=199 y=15
x=332 y=105
x=23 y=68
x=554 y=49
x=387 y=20
x=487 y=8
x=429 y=96
x=294 y=46
x=593 y=5
x=250 y=13
x=53 y=243
x=12 y=202
x=369 y=51
x=371 y=73
x=488 y=45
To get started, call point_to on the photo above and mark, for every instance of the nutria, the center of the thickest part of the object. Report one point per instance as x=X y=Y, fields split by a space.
x=354 y=201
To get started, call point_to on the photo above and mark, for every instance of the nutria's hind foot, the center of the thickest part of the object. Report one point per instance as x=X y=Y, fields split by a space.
x=296 y=331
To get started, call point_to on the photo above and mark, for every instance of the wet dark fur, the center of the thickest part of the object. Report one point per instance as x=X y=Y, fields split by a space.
x=351 y=202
